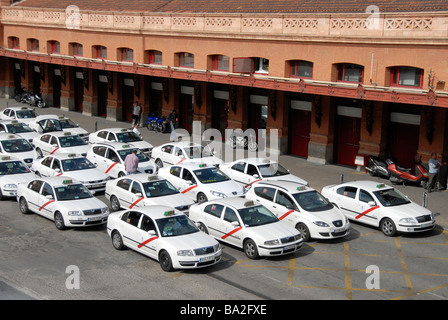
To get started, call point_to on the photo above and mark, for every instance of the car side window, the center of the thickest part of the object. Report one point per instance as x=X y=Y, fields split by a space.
x=112 y=155
x=47 y=190
x=167 y=149
x=175 y=171
x=111 y=137
x=178 y=152
x=101 y=151
x=56 y=164
x=47 y=162
x=347 y=192
x=240 y=166
x=133 y=218
x=251 y=170
x=54 y=141
x=230 y=215
x=186 y=175
x=136 y=188
x=214 y=210
x=124 y=183
x=265 y=193
x=284 y=200
x=35 y=185
x=102 y=134
x=364 y=196
x=147 y=224
x=45 y=138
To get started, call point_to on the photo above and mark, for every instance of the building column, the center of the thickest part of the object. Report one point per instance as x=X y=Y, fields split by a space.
x=321 y=145
x=373 y=129
x=90 y=99
x=67 y=88
x=7 y=66
x=203 y=97
x=278 y=108
x=238 y=104
x=433 y=133
x=114 y=96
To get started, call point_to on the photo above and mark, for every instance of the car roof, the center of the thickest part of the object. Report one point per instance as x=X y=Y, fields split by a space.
x=116 y=130
x=48 y=116
x=145 y=177
x=194 y=165
x=19 y=108
x=115 y=145
x=158 y=211
x=235 y=202
x=257 y=161
x=9 y=136
x=366 y=184
x=182 y=144
x=288 y=186
x=63 y=156
x=59 y=180
x=61 y=133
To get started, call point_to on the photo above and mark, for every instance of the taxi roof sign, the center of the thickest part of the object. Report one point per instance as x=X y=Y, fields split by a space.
x=6 y=158
x=153 y=178
x=68 y=181
x=202 y=165
x=67 y=133
x=169 y=213
x=380 y=185
x=301 y=188
x=248 y=203
x=126 y=146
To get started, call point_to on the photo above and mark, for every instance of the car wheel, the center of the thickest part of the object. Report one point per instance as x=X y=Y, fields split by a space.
x=165 y=262
x=121 y=174
x=202 y=197
x=159 y=163
x=388 y=227
x=59 y=221
x=39 y=153
x=117 y=240
x=304 y=231
x=23 y=206
x=202 y=227
x=114 y=203
x=250 y=249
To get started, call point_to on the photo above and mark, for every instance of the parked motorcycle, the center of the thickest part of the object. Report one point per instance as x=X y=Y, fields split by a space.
x=151 y=124
x=163 y=125
x=35 y=99
x=20 y=94
x=399 y=174
x=377 y=167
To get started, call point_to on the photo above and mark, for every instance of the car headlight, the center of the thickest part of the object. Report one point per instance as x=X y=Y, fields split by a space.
x=185 y=252
x=407 y=220
x=105 y=210
x=217 y=194
x=216 y=247
x=75 y=213
x=272 y=242
x=11 y=186
x=321 y=224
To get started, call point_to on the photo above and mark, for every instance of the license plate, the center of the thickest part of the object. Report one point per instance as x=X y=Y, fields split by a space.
x=93 y=218
x=206 y=259
x=289 y=247
x=339 y=230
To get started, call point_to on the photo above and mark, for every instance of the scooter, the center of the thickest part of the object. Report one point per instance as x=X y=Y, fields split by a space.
x=163 y=125
x=152 y=122
x=36 y=100
x=377 y=167
x=399 y=174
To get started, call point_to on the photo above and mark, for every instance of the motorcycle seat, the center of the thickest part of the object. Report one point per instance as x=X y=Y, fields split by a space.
x=403 y=169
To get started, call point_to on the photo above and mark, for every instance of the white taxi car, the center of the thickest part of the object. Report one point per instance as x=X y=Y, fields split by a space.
x=381 y=206
x=165 y=235
x=302 y=208
x=12 y=172
x=142 y=189
x=16 y=146
x=23 y=114
x=109 y=158
x=52 y=122
x=16 y=127
x=60 y=142
x=250 y=170
x=183 y=152
x=65 y=201
x=244 y=224
x=72 y=166
x=122 y=135
x=201 y=182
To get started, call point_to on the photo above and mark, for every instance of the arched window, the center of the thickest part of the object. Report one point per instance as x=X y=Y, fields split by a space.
x=125 y=54
x=13 y=43
x=350 y=72
x=186 y=59
x=99 y=52
x=75 y=49
x=153 y=57
x=32 y=45
x=220 y=62
x=53 y=46
x=406 y=76
x=301 y=69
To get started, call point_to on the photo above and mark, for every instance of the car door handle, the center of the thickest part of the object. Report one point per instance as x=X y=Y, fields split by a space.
x=274 y=207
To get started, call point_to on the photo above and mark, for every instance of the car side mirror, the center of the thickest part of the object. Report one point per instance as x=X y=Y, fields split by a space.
x=235 y=223
x=139 y=194
x=49 y=197
x=256 y=176
x=371 y=203
x=152 y=233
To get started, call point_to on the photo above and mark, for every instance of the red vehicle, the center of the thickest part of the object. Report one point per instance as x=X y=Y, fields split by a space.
x=399 y=174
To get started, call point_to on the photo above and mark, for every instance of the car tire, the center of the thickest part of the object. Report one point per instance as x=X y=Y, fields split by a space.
x=117 y=240
x=23 y=206
x=201 y=197
x=202 y=227
x=159 y=163
x=304 y=231
x=165 y=261
x=114 y=203
x=39 y=153
x=388 y=227
x=121 y=174
x=59 y=221
x=250 y=249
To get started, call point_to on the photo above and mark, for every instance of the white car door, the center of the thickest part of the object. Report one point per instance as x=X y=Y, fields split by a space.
x=346 y=199
x=231 y=226
x=98 y=157
x=136 y=195
x=44 y=167
x=367 y=208
x=32 y=195
x=252 y=174
x=265 y=196
x=149 y=241
x=111 y=161
x=130 y=231
x=284 y=208
x=212 y=219
x=237 y=172
x=122 y=192
x=46 y=201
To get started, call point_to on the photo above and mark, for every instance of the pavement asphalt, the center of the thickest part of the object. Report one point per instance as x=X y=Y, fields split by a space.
x=318 y=175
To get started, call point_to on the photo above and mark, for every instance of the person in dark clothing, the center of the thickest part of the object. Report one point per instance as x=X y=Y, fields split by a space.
x=172 y=119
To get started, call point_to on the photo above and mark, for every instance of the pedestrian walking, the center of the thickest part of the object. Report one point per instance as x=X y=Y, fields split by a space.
x=173 y=118
x=131 y=163
x=136 y=113
x=434 y=165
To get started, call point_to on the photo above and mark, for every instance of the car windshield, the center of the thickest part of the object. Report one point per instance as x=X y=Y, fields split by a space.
x=128 y=136
x=18 y=128
x=257 y=216
x=25 y=114
x=13 y=167
x=16 y=145
x=272 y=170
x=210 y=175
x=72 y=192
x=176 y=226
x=68 y=123
x=312 y=201
x=391 y=197
x=197 y=152
x=71 y=141
x=77 y=164
x=159 y=188
x=140 y=155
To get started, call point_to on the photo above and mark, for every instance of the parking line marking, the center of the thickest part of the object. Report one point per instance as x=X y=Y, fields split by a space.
x=348 y=277
x=420 y=292
x=403 y=265
x=292 y=264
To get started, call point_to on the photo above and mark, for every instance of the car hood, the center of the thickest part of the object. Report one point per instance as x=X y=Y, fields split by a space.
x=191 y=241
x=22 y=155
x=407 y=210
x=82 y=204
x=77 y=149
x=327 y=216
x=17 y=178
x=140 y=144
x=86 y=175
x=226 y=187
x=174 y=200
x=276 y=230
x=77 y=130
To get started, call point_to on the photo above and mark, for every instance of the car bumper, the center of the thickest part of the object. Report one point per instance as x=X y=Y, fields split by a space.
x=9 y=192
x=197 y=261
x=86 y=221
x=421 y=227
x=287 y=248
x=332 y=233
